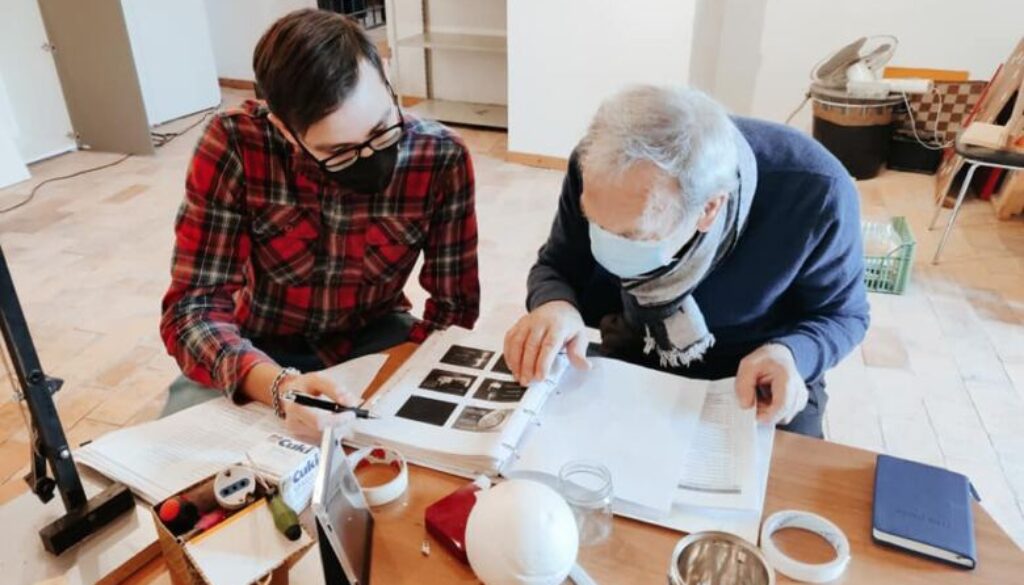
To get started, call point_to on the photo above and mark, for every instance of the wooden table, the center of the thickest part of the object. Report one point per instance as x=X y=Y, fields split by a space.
x=807 y=474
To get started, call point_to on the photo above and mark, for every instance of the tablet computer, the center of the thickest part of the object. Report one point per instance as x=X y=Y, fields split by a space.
x=344 y=524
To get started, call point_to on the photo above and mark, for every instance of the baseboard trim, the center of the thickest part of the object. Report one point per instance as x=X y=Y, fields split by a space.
x=537 y=160
x=409 y=101
x=236 y=83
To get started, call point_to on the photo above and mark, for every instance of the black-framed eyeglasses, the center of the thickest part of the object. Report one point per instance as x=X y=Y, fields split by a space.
x=386 y=138
x=347 y=157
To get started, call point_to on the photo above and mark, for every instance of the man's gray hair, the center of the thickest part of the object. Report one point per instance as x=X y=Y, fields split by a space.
x=680 y=130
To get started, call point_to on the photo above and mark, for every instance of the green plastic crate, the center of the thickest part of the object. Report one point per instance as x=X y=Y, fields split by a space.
x=890 y=273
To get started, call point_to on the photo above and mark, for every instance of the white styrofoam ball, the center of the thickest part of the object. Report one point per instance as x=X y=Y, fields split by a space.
x=521 y=532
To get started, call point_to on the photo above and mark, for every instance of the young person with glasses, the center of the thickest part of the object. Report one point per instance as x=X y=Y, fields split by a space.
x=303 y=217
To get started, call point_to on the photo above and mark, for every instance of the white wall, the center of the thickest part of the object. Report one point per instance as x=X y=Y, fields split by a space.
x=408 y=72
x=33 y=88
x=565 y=57
x=171 y=45
x=768 y=47
x=236 y=26
x=12 y=168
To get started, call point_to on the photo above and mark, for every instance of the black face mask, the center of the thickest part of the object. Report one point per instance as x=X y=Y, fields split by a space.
x=370 y=174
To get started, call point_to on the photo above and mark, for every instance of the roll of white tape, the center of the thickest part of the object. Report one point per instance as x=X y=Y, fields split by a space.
x=794 y=569
x=391 y=490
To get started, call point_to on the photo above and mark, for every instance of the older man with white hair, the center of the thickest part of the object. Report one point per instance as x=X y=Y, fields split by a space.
x=703 y=245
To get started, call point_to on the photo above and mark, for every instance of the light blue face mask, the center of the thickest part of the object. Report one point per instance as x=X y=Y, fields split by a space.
x=628 y=258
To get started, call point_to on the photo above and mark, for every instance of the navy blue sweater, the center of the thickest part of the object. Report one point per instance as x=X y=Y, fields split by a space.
x=795 y=276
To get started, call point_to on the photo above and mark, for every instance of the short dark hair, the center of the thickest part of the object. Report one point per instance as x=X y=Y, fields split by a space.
x=307 y=64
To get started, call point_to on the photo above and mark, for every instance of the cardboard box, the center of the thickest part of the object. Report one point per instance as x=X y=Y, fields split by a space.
x=218 y=556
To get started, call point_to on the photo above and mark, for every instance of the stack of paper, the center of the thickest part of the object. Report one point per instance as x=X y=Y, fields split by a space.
x=725 y=472
x=634 y=421
x=158 y=459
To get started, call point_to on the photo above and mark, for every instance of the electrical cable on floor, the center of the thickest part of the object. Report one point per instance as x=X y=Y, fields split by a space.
x=160 y=139
x=163 y=138
x=35 y=189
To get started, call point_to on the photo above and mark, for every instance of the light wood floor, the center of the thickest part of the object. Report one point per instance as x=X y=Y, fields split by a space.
x=939 y=379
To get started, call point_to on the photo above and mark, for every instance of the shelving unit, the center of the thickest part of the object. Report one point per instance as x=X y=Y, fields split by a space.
x=460 y=112
x=456 y=42
x=438 y=40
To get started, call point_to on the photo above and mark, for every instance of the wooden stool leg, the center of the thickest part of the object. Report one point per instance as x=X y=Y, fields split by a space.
x=956 y=210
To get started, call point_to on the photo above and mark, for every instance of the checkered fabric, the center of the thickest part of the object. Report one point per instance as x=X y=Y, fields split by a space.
x=939 y=114
x=268 y=246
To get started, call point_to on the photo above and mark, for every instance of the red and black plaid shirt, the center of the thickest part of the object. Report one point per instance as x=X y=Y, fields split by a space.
x=268 y=246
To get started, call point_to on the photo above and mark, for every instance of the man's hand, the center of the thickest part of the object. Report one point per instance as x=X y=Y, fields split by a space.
x=302 y=421
x=771 y=369
x=533 y=342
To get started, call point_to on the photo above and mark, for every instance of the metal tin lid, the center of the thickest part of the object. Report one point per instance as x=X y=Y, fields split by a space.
x=718 y=558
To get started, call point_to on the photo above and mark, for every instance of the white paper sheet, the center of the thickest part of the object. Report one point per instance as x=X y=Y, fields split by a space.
x=720 y=470
x=160 y=458
x=355 y=375
x=635 y=421
x=743 y=523
x=444 y=443
x=244 y=549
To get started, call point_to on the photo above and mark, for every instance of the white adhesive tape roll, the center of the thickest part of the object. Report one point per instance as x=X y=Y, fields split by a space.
x=387 y=492
x=794 y=569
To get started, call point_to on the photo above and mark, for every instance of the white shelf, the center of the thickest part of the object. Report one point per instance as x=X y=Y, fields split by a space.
x=456 y=42
x=489 y=115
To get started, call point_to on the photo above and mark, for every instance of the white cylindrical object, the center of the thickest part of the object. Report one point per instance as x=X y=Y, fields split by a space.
x=391 y=490
x=910 y=85
x=798 y=570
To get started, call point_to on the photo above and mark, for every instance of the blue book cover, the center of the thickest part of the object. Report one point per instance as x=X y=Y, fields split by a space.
x=924 y=509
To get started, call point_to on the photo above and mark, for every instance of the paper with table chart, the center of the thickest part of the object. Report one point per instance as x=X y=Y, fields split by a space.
x=726 y=472
x=633 y=420
x=456 y=408
x=721 y=465
x=744 y=523
x=160 y=458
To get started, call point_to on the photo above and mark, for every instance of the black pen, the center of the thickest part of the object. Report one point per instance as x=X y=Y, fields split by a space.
x=325 y=404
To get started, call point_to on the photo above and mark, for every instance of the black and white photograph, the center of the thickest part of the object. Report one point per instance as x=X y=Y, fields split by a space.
x=426 y=410
x=448 y=382
x=499 y=391
x=467 y=357
x=501 y=366
x=481 y=420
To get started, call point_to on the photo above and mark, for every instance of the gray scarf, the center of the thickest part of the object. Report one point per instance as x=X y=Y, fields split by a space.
x=660 y=305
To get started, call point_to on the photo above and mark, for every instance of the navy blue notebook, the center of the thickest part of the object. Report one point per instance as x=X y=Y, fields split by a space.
x=924 y=509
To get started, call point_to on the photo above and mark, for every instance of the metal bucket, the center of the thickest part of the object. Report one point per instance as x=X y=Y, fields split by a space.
x=718 y=558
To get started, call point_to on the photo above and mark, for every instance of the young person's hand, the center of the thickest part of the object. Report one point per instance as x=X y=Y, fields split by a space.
x=307 y=423
x=533 y=342
x=304 y=422
x=772 y=369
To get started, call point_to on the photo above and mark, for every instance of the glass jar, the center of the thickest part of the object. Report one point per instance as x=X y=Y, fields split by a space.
x=587 y=488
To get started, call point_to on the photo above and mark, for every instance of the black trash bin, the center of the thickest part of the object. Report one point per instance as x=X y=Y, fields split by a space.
x=856 y=130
